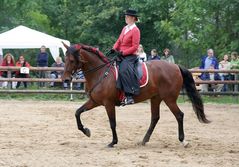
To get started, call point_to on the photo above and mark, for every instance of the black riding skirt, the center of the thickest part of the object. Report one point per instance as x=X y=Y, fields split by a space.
x=127 y=80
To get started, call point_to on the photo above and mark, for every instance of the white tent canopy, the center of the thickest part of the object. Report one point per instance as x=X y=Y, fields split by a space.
x=23 y=37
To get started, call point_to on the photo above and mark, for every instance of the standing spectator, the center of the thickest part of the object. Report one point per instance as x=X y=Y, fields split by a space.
x=234 y=60
x=21 y=74
x=1 y=59
x=154 y=55
x=42 y=61
x=57 y=74
x=167 y=57
x=210 y=62
x=141 y=54
x=235 y=65
x=225 y=65
x=8 y=60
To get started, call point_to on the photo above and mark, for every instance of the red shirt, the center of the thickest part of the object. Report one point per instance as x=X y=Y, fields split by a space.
x=128 y=43
x=18 y=64
x=4 y=63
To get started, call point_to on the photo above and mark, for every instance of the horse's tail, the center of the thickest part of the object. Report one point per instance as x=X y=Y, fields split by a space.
x=194 y=96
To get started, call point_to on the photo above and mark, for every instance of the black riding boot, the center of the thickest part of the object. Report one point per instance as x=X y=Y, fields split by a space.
x=129 y=99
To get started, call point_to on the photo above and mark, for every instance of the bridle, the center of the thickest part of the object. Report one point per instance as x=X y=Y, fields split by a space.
x=109 y=64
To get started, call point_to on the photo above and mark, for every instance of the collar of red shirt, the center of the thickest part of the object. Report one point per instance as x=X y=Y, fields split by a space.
x=129 y=27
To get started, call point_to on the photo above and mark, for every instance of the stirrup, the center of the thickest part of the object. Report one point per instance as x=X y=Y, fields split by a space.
x=127 y=101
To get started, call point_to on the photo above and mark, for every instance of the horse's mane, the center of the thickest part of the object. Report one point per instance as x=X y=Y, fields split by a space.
x=92 y=50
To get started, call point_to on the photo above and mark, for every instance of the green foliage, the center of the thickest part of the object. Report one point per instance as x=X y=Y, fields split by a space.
x=188 y=28
x=213 y=99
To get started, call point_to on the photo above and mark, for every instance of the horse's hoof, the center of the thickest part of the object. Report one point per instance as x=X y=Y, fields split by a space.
x=111 y=145
x=141 y=143
x=87 y=132
x=185 y=144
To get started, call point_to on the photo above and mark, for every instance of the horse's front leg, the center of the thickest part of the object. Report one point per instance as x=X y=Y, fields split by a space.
x=87 y=106
x=110 y=108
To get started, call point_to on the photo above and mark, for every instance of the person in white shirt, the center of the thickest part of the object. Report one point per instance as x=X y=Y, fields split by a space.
x=225 y=65
x=141 y=54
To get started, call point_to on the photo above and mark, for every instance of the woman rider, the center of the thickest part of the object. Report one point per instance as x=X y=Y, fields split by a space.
x=127 y=44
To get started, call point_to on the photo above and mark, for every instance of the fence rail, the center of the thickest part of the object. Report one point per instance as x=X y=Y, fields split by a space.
x=9 y=68
x=193 y=71
x=37 y=80
x=43 y=91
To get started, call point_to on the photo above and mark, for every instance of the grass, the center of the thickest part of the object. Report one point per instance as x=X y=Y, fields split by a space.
x=77 y=97
x=214 y=99
x=43 y=97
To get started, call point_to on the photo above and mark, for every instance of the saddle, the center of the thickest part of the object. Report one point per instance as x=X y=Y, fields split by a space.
x=142 y=75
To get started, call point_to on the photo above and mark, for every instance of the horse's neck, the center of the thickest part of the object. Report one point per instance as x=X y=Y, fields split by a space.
x=93 y=76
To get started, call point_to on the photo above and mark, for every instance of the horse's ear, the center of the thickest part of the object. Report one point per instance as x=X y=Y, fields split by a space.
x=65 y=45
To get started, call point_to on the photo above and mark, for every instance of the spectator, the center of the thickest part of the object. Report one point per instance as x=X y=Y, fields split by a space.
x=22 y=73
x=210 y=62
x=235 y=65
x=42 y=61
x=167 y=57
x=8 y=60
x=1 y=59
x=80 y=85
x=57 y=74
x=225 y=65
x=234 y=60
x=141 y=54
x=154 y=55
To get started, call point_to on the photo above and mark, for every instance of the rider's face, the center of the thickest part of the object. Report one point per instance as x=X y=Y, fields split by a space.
x=129 y=19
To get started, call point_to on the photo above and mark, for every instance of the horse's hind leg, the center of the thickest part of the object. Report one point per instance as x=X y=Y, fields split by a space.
x=155 y=104
x=179 y=117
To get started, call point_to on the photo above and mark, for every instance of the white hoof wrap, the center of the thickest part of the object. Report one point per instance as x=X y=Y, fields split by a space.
x=184 y=143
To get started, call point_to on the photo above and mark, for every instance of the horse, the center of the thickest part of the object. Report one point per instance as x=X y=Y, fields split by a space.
x=165 y=82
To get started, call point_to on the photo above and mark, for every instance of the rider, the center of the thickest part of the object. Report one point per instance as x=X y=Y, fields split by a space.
x=127 y=45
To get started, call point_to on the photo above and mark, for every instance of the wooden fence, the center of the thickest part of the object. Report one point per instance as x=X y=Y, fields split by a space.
x=49 y=69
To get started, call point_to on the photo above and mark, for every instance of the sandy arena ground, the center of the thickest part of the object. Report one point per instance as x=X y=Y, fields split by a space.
x=44 y=134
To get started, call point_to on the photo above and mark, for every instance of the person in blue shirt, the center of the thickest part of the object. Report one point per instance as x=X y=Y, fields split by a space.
x=209 y=61
x=42 y=61
x=154 y=55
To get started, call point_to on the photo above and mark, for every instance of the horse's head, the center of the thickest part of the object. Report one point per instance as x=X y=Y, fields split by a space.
x=73 y=62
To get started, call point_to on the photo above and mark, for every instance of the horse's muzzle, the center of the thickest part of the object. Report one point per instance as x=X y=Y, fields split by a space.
x=67 y=80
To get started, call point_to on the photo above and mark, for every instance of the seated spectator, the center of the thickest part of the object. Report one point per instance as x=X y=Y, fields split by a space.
x=154 y=55
x=22 y=73
x=197 y=78
x=167 y=57
x=210 y=62
x=58 y=74
x=8 y=60
x=225 y=65
x=141 y=54
x=80 y=85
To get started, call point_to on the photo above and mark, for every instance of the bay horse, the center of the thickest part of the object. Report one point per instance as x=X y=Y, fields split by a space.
x=164 y=84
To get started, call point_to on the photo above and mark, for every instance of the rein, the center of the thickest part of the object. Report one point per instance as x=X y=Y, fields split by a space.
x=110 y=63
x=96 y=68
x=100 y=80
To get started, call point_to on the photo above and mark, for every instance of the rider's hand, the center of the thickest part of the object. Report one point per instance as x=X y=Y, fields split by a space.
x=120 y=54
x=112 y=51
